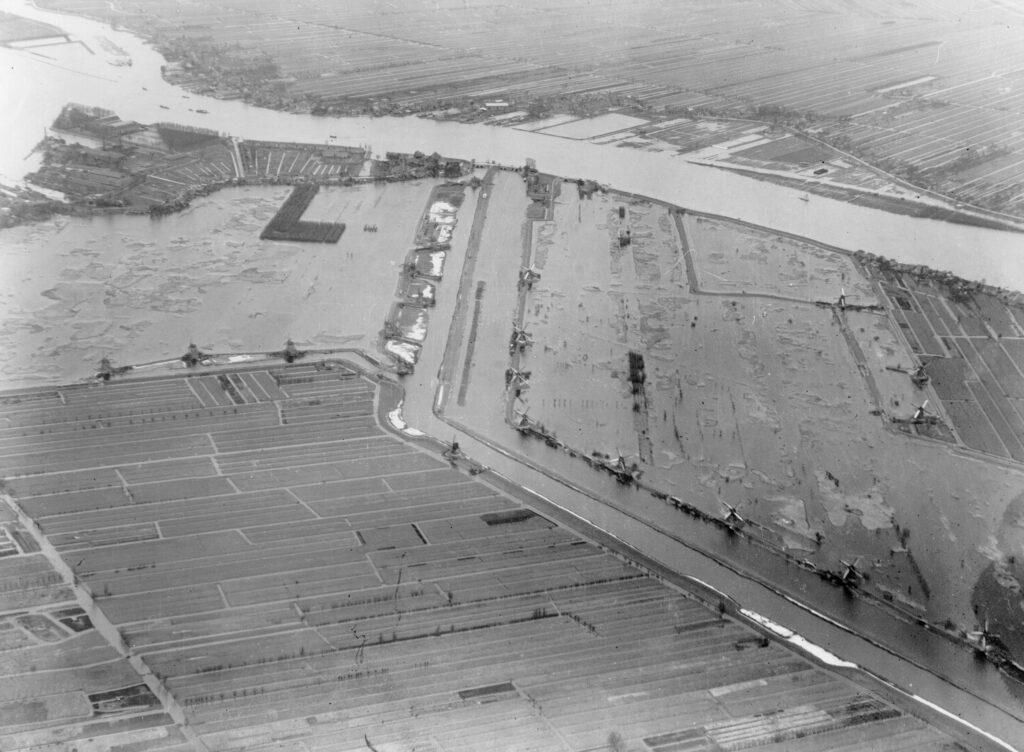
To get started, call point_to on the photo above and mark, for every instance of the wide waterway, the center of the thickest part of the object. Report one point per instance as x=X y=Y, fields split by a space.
x=38 y=83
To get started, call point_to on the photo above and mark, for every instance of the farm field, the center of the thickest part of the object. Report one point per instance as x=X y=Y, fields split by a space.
x=766 y=153
x=287 y=569
x=593 y=127
x=61 y=681
x=819 y=166
x=975 y=347
x=770 y=154
x=925 y=90
x=758 y=397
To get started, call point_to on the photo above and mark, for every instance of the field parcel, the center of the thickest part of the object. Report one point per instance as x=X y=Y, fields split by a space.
x=288 y=569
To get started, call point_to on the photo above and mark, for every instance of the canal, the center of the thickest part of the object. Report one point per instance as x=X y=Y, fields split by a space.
x=37 y=86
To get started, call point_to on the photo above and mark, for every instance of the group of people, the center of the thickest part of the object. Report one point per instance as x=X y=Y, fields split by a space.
x=369 y=228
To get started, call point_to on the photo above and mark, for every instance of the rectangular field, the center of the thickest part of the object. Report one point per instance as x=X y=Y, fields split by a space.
x=973 y=349
x=321 y=579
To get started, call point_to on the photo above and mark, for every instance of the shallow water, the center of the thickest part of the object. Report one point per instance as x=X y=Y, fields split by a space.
x=77 y=288
x=138 y=289
x=38 y=87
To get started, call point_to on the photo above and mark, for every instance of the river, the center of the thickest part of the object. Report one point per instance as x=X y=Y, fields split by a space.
x=38 y=83
x=36 y=87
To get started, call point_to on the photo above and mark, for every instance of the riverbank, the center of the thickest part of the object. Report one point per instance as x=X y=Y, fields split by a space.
x=101 y=162
x=936 y=138
x=39 y=88
x=893 y=205
x=160 y=169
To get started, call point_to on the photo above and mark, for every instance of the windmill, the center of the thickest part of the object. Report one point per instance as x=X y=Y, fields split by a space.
x=521 y=421
x=621 y=469
x=919 y=377
x=732 y=517
x=193 y=356
x=527 y=276
x=453 y=452
x=842 y=305
x=106 y=369
x=851 y=576
x=520 y=339
x=618 y=463
x=291 y=353
x=516 y=379
x=921 y=414
x=982 y=639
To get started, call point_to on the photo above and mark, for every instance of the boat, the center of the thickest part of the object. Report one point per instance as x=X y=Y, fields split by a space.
x=202 y=112
x=164 y=107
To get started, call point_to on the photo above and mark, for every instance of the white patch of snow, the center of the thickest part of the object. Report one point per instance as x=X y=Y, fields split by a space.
x=778 y=629
x=418 y=329
x=404 y=351
x=442 y=212
x=437 y=260
x=395 y=419
x=829 y=659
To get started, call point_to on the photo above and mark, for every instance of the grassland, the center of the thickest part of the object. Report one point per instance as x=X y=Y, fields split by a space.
x=925 y=90
x=288 y=570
